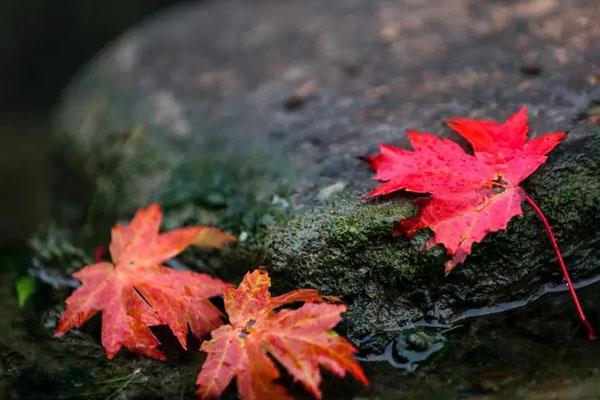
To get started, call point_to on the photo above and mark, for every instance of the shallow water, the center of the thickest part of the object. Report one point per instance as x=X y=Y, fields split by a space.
x=532 y=350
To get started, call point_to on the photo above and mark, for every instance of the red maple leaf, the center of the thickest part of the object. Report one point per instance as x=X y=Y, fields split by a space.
x=470 y=195
x=299 y=339
x=135 y=291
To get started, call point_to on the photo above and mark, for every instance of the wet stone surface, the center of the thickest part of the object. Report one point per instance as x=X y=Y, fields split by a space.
x=254 y=118
x=257 y=125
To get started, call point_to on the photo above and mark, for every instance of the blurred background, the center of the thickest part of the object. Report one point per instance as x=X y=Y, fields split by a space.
x=43 y=44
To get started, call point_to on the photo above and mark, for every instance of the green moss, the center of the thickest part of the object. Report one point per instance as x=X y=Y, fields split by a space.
x=241 y=197
x=355 y=222
x=195 y=184
x=235 y=195
x=568 y=191
x=346 y=248
x=334 y=247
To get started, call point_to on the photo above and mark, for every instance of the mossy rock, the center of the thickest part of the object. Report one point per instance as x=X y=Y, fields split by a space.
x=254 y=119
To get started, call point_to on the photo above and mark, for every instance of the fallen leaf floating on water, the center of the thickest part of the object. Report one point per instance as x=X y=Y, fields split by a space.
x=299 y=339
x=136 y=291
x=469 y=195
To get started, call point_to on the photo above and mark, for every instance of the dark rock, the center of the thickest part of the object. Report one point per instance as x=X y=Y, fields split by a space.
x=254 y=118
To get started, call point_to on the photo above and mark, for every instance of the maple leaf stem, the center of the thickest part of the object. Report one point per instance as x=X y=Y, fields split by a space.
x=563 y=266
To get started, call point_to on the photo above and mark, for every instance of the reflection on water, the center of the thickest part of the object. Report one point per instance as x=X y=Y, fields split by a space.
x=534 y=351
x=407 y=350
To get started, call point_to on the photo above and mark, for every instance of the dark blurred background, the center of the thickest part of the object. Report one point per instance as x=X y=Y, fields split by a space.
x=43 y=44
